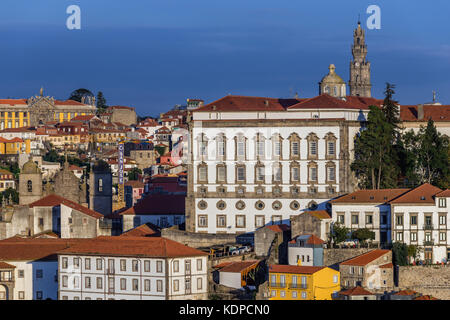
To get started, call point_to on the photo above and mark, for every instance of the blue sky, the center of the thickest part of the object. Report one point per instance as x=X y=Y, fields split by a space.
x=154 y=54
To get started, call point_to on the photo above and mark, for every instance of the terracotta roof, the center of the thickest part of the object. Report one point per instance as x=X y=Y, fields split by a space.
x=325 y=101
x=310 y=239
x=365 y=258
x=157 y=204
x=387 y=266
x=28 y=249
x=20 y=129
x=421 y=194
x=405 y=293
x=437 y=113
x=144 y=230
x=86 y=117
x=320 y=214
x=133 y=246
x=426 y=297
x=445 y=193
x=3 y=140
x=4 y=171
x=135 y=184
x=13 y=101
x=4 y=265
x=55 y=200
x=279 y=268
x=279 y=227
x=371 y=196
x=244 y=103
x=356 y=291
x=240 y=266
x=75 y=168
x=69 y=103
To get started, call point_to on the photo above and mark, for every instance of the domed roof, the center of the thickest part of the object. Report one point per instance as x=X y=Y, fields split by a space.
x=30 y=167
x=332 y=77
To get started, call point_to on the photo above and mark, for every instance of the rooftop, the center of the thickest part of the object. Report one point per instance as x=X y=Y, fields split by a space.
x=421 y=194
x=356 y=291
x=366 y=258
x=370 y=196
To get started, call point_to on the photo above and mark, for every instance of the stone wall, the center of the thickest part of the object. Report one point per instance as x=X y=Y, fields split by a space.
x=430 y=280
x=197 y=240
x=333 y=256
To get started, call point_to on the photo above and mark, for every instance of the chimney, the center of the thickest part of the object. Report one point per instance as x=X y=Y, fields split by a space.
x=266 y=102
x=214 y=107
x=420 y=112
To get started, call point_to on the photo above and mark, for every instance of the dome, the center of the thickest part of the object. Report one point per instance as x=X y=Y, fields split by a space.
x=30 y=167
x=332 y=77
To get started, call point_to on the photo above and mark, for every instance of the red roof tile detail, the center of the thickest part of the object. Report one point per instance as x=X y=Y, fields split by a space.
x=371 y=196
x=279 y=227
x=387 y=266
x=55 y=200
x=356 y=291
x=4 y=265
x=243 y=103
x=365 y=258
x=405 y=293
x=145 y=230
x=320 y=214
x=445 y=194
x=239 y=266
x=421 y=194
x=437 y=113
x=278 y=268
x=134 y=246
x=426 y=297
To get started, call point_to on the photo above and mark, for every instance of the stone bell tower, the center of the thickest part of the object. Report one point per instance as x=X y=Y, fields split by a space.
x=359 y=67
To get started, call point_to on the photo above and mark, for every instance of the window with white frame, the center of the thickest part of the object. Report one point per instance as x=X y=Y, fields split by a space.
x=199 y=283
x=240 y=149
x=442 y=202
x=413 y=236
x=240 y=221
x=260 y=173
x=199 y=264
x=147 y=285
x=277 y=172
x=331 y=173
x=240 y=173
x=221 y=173
x=202 y=173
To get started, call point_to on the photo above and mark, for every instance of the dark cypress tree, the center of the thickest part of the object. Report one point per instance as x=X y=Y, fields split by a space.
x=101 y=101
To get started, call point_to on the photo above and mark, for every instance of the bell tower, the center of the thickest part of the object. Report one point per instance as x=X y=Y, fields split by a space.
x=359 y=82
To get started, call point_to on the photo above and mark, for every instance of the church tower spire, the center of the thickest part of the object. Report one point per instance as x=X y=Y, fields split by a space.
x=359 y=67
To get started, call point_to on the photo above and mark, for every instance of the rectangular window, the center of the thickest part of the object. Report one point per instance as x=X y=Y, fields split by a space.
x=64 y=263
x=123 y=265
x=99 y=283
x=76 y=282
x=313 y=148
x=147 y=266
x=176 y=266
x=331 y=173
x=202 y=221
x=399 y=236
x=428 y=236
x=260 y=148
x=369 y=218
x=159 y=266
x=442 y=236
x=240 y=221
x=413 y=236
x=295 y=174
x=294 y=294
x=135 y=264
x=65 y=281
x=442 y=202
x=123 y=284
x=76 y=262
x=259 y=221
x=335 y=279
x=240 y=173
x=413 y=220
x=176 y=285
x=199 y=264
x=146 y=285
x=221 y=221
x=39 y=273
x=240 y=149
x=202 y=173
x=135 y=284
x=159 y=285
x=295 y=148
x=87 y=263
x=199 y=283
x=221 y=148
x=259 y=173
x=87 y=282
x=277 y=174
x=39 y=295
x=399 y=220
x=221 y=174
x=442 y=220
x=99 y=264
x=202 y=148
x=355 y=218
x=341 y=218
x=331 y=149
x=277 y=148
x=313 y=174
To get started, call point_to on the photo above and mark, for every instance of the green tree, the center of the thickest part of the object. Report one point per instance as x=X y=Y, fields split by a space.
x=373 y=163
x=432 y=157
x=101 y=101
x=134 y=174
x=400 y=254
x=51 y=156
x=413 y=251
x=339 y=233
x=363 y=235
x=79 y=94
x=160 y=149
x=390 y=106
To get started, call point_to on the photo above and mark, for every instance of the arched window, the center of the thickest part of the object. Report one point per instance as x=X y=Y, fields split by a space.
x=100 y=185
x=30 y=186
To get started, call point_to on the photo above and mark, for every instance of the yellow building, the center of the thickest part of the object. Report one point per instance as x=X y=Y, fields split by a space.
x=6 y=180
x=303 y=282
x=14 y=146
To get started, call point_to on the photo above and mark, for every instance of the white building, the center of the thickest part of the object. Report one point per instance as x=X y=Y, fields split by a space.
x=420 y=217
x=132 y=268
x=260 y=160
x=28 y=268
x=367 y=209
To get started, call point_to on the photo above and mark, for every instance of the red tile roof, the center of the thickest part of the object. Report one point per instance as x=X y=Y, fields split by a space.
x=405 y=293
x=438 y=113
x=371 y=196
x=279 y=227
x=325 y=101
x=279 y=268
x=134 y=246
x=244 y=103
x=387 y=266
x=69 y=103
x=4 y=265
x=144 y=230
x=55 y=200
x=240 y=266
x=365 y=258
x=86 y=117
x=157 y=204
x=421 y=194
x=312 y=239
x=445 y=193
x=13 y=101
x=320 y=214
x=356 y=291
x=426 y=297
x=135 y=184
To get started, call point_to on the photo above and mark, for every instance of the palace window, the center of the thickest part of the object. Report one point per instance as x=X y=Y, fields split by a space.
x=221 y=173
x=240 y=173
x=202 y=221
x=259 y=221
x=221 y=221
x=277 y=172
x=312 y=170
x=295 y=173
x=240 y=221
x=202 y=173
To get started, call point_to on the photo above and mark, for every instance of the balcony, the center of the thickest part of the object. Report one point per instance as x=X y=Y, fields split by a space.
x=428 y=227
x=277 y=285
x=110 y=271
x=298 y=286
x=428 y=242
